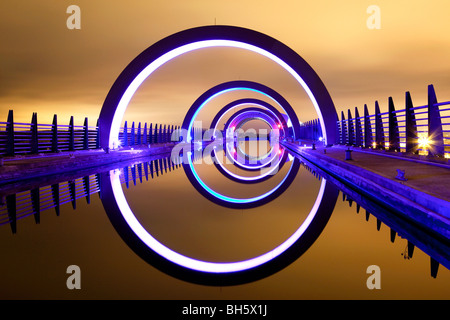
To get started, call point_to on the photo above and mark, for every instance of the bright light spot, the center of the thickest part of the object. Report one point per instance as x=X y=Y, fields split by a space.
x=423 y=142
x=321 y=139
x=116 y=144
x=374 y=145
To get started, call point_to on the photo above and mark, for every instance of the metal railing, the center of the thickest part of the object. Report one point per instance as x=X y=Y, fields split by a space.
x=420 y=130
x=32 y=138
x=423 y=130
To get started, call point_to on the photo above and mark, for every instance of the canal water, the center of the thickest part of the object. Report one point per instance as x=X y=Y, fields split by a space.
x=296 y=233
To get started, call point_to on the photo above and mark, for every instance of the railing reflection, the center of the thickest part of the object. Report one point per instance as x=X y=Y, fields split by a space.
x=435 y=246
x=31 y=202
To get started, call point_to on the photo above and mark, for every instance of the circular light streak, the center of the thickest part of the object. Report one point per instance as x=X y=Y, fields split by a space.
x=229 y=128
x=148 y=62
x=237 y=121
x=267 y=173
x=189 y=40
x=241 y=102
x=240 y=85
x=239 y=202
x=200 y=265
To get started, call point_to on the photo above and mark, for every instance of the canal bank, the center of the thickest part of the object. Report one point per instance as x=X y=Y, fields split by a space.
x=20 y=169
x=422 y=197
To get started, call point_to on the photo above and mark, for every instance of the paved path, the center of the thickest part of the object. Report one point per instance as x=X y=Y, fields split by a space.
x=34 y=166
x=425 y=177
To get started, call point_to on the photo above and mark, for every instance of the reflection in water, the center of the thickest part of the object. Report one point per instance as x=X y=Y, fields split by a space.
x=22 y=200
x=34 y=201
x=434 y=245
x=218 y=273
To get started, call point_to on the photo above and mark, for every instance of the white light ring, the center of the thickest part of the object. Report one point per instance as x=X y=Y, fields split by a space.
x=255 y=104
x=154 y=65
x=199 y=265
x=272 y=155
x=243 y=122
x=226 y=129
x=252 y=178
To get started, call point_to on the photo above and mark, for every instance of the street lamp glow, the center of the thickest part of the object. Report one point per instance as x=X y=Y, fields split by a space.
x=424 y=142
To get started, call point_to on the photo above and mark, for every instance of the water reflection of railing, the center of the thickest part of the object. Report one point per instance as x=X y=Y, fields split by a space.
x=211 y=272
x=437 y=249
x=32 y=202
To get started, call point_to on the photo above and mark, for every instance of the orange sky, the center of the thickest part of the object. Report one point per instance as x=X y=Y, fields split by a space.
x=47 y=68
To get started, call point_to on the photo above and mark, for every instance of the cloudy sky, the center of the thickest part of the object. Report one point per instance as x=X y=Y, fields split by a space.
x=47 y=68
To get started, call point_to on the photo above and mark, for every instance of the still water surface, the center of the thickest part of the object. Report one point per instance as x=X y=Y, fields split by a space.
x=332 y=265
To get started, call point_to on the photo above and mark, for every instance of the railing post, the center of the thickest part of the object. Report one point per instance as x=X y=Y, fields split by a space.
x=34 y=134
x=86 y=135
x=132 y=134
x=350 y=129
x=316 y=129
x=139 y=134
x=55 y=133
x=410 y=125
x=125 y=134
x=10 y=134
x=150 y=134
x=144 y=138
x=379 y=132
x=97 y=138
x=343 y=129
x=367 y=128
x=160 y=134
x=156 y=136
x=164 y=134
x=394 y=139
x=71 y=135
x=358 y=133
x=435 y=135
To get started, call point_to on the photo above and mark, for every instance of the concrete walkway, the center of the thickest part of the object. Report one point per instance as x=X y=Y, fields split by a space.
x=428 y=178
x=28 y=167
